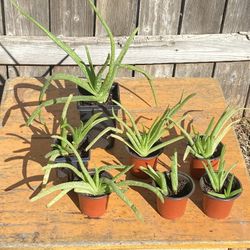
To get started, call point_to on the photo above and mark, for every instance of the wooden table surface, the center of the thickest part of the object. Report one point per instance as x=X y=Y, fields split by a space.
x=31 y=225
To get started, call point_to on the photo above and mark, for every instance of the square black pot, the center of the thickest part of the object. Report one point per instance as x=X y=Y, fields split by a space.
x=65 y=173
x=88 y=109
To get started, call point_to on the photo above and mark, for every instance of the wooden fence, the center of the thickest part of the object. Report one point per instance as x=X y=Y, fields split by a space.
x=73 y=18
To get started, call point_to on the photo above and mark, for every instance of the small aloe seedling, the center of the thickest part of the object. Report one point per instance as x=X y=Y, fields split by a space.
x=98 y=86
x=160 y=178
x=218 y=179
x=204 y=145
x=147 y=141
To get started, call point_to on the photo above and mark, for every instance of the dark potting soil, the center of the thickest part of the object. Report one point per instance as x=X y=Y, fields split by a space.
x=207 y=187
x=184 y=186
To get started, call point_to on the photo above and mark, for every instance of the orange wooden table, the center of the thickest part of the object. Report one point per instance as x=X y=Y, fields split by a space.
x=31 y=225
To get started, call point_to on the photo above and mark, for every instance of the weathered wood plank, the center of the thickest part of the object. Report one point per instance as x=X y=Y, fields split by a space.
x=72 y=18
x=237 y=16
x=33 y=225
x=159 y=18
x=17 y=25
x=235 y=76
x=200 y=17
x=234 y=79
x=194 y=70
x=3 y=69
x=144 y=50
x=120 y=16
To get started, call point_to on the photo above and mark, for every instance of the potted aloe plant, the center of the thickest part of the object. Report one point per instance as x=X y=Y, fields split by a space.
x=207 y=146
x=96 y=91
x=78 y=136
x=220 y=189
x=175 y=186
x=94 y=186
x=144 y=146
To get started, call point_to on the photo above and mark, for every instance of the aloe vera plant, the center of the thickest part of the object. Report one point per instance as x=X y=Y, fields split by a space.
x=78 y=134
x=93 y=185
x=218 y=179
x=147 y=141
x=160 y=178
x=93 y=82
x=204 y=145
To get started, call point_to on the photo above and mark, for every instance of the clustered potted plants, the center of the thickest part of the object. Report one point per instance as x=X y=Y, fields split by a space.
x=98 y=102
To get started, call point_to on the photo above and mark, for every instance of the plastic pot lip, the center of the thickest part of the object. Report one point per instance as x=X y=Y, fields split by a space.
x=217 y=198
x=135 y=155
x=210 y=158
x=96 y=197
x=185 y=196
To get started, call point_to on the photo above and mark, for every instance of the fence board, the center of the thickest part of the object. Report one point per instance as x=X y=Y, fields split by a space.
x=200 y=16
x=144 y=50
x=71 y=18
x=16 y=25
x=235 y=76
x=121 y=18
x=159 y=17
x=3 y=69
x=234 y=79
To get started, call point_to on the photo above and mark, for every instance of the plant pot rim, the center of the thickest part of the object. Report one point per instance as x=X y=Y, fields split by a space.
x=180 y=173
x=135 y=155
x=218 y=198
x=210 y=158
x=91 y=171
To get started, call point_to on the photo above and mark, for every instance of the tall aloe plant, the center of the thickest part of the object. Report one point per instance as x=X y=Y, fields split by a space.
x=93 y=82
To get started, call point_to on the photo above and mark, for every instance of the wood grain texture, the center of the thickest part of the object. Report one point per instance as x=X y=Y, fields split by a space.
x=194 y=70
x=237 y=16
x=71 y=18
x=120 y=16
x=200 y=16
x=3 y=69
x=17 y=25
x=144 y=50
x=234 y=78
x=159 y=18
x=28 y=224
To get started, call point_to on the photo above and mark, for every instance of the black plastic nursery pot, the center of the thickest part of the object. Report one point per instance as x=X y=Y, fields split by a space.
x=65 y=173
x=87 y=109
x=94 y=206
x=214 y=207
x=197 y=169
x=174 y=206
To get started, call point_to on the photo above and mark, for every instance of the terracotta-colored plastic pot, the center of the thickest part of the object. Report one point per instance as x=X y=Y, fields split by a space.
x=174 y=207
x=94 y=206
x=197 y=169
x=138 y=162
x=214 y=207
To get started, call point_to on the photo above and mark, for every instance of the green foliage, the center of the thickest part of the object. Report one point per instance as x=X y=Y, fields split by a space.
x=146 y=141
x=93 y=185
x=203 y=145
x=94 y=83
x=160 y=178
x=218 y=179
x=78 y=135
